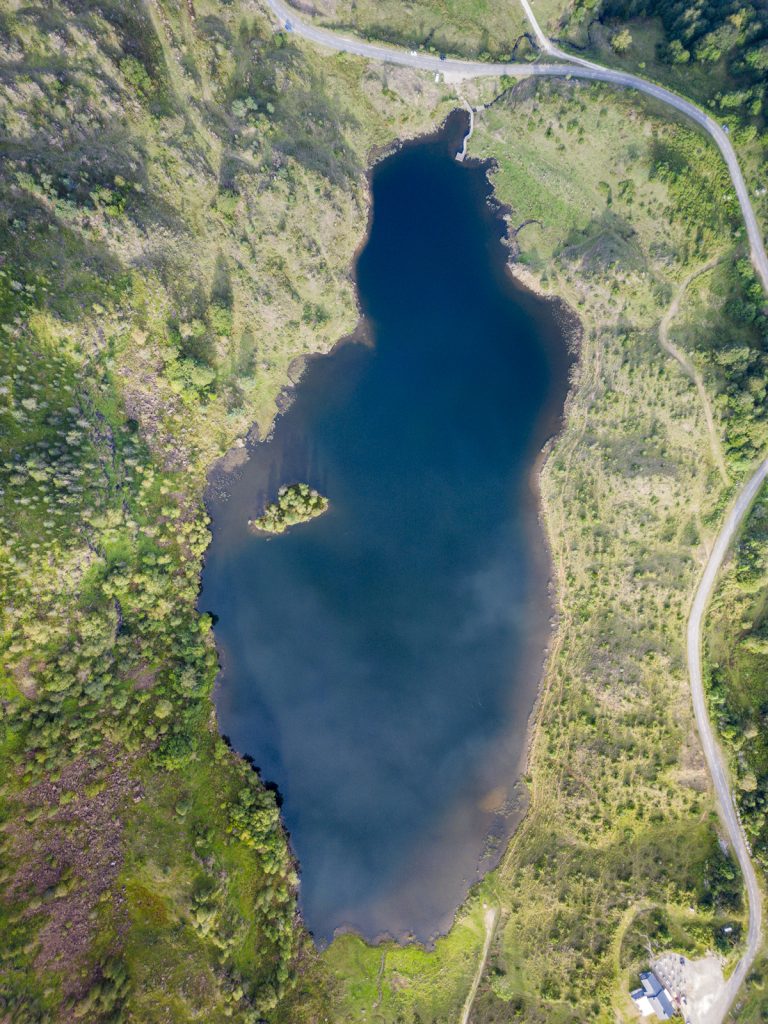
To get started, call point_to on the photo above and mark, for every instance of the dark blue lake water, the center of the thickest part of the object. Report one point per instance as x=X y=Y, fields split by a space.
x=380 y=663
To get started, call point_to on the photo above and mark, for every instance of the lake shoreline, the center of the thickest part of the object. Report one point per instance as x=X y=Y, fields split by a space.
x=561 y=346
x=526 y=282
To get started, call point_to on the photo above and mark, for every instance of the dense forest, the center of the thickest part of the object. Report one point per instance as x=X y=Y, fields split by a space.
x=706 y=32
x=297 y=503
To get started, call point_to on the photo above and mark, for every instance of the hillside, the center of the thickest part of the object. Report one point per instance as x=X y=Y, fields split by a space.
x=182 y=193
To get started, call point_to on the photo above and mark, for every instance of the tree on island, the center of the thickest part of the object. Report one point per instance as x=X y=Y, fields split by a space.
x=297 y=503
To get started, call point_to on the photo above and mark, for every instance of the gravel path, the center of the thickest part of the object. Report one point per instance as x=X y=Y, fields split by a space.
x=677 y=354
x=489 y=919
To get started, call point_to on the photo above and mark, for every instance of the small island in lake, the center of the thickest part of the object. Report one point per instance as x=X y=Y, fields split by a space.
x=295 y=504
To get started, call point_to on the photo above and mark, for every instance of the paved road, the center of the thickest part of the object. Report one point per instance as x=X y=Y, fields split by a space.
x=712 y=751
x=577 y=67
x=717 y=1012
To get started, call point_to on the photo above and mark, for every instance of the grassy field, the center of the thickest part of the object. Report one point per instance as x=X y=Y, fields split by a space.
x=736 y=651
x=619 y=851
x=481 y=28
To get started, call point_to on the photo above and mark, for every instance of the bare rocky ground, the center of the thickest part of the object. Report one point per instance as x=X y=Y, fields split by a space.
x=68 y=845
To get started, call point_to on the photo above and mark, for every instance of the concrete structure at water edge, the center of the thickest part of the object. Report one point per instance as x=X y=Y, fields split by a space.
x=653 y=997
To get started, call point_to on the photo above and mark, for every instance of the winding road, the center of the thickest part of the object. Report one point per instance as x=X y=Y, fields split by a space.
x=576 y=67
x=712 y=752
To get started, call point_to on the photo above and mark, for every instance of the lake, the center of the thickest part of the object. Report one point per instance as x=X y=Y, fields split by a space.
x=381 y=662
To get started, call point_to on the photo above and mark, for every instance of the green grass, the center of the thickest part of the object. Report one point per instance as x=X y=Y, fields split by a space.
x=397 y=982
x=737 y=656
x=478 y=28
